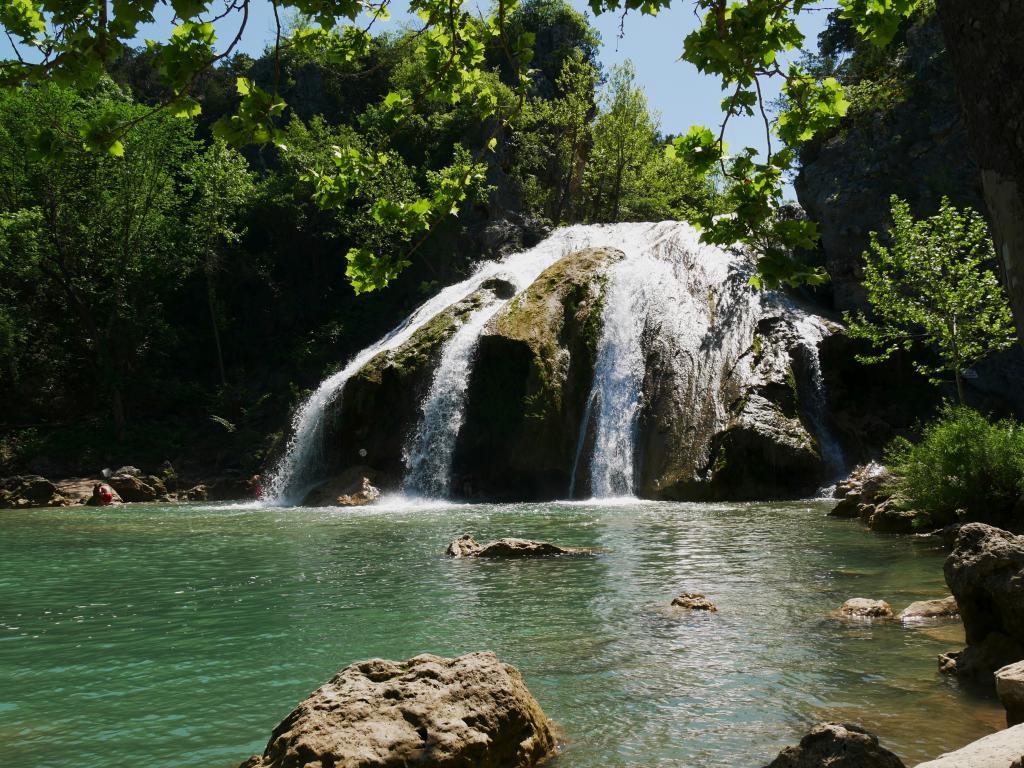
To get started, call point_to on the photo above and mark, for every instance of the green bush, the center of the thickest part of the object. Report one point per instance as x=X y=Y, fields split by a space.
x=964 y=467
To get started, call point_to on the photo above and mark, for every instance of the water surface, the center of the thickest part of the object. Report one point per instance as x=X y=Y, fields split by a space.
x=180 y=635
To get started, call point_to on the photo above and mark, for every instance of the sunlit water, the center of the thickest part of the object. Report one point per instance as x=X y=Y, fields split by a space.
x=179 y=636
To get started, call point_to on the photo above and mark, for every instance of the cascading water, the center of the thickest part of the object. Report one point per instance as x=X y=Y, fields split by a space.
x=812 y=333
x=428 y=457
x=678 y=324
x=302 y=468
x=689 y=301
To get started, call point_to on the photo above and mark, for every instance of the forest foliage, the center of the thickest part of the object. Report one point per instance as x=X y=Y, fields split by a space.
x=181 y=276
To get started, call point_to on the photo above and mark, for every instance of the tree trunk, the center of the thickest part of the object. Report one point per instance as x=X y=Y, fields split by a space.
x=961 y=393
x=117 y=406
x=212 y=304
x=985 y=40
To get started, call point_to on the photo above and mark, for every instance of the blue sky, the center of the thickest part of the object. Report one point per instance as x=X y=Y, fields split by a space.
x=675 y=89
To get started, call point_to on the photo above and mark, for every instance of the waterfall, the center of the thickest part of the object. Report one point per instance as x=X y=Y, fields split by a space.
x=301 y=467
x=428 y=457
x=812 y=332
x=674 y=354
x=675 y=295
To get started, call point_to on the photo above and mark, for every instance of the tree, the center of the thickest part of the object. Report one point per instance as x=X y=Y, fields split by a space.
x=97 y=236
x=221 y=185
x=931 y=290
x=73 y=41
x=624 y=142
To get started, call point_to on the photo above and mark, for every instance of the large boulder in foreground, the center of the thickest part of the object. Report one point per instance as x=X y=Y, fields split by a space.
x=469 y=712
x=1000 y=750
x=837 y=746
x=985 y=572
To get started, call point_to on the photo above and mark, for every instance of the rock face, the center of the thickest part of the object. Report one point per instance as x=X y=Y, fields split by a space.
x=1010 y=689
x=863 y=608
x=429 y=711
x=999 y=750
x=467 y=546
x=528 y=388
x=914 y=149
x=370 y=423
x=837 y=746
x=763 y=447
x=929 y=610
x=985 y=572
x=694 y=601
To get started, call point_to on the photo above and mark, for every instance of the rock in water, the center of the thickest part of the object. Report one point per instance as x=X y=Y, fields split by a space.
x=1000 y=750
x=694 y=601
x=29 y=491
x=837 y=746
x=353 y=488
x=428 y=711
x=985 y=572
x=1010 y=688
x=132 y=488
x=467 y=546
x=863 y=608
x=925 y=610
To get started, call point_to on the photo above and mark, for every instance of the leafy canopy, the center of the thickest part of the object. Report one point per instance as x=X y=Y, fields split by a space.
x=73 y=41
x=931 y=292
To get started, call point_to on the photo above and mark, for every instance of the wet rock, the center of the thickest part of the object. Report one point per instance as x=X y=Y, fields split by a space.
x=979 y=660
x=529 y=385
x=694 y=601
x=999 y=750
x=370 y=425
x=467 y=546
x=863 y=608
x=1010 y=689
x=985 y=573
x=129 y=470
x=761 y=444
x=837 y=746
x=867 y=494
x=132 y=488
x=229 y=488
x=196 y=493
x=928 y=610
x=430 y=711
x=30 y=491
x=890 y=517
x=353 y=488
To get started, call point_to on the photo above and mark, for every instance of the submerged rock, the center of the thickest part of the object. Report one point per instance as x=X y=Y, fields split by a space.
x=863 y=608
x=428 y=711
x=837 y=745
x=999 y=750
x=985 y=572
x=1010 y=689
x=467 y=546
x=925 y=610
x=694 y=601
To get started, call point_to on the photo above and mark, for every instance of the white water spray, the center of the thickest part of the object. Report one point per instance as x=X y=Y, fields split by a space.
x=428 y=458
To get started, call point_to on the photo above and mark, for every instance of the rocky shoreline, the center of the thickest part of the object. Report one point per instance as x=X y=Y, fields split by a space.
x=128 y=484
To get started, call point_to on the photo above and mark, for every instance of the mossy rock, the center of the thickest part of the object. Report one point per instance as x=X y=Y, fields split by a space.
x=529 y=386
x=379 y=406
